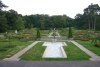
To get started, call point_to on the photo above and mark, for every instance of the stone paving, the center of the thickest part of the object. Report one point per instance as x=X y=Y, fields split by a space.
x=90 y=53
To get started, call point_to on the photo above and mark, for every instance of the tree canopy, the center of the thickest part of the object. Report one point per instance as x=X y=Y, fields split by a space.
x=89 y=19
x=11 y=20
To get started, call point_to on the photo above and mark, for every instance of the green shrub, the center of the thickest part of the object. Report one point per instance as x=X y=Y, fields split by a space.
x=70 y=33
x=38 y=34
x=96 y=41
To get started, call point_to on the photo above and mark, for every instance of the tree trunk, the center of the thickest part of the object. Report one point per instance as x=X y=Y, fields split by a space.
x=89 y=25
x=94 y=22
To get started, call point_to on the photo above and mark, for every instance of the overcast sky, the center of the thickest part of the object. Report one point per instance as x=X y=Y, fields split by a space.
x=51 y=7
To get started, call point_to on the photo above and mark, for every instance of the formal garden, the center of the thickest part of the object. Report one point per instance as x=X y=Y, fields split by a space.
x=11 y=43
x=42 y=37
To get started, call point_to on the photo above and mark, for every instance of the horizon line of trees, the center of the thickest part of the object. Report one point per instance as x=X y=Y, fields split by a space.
x=11 y=20
x=46 y=21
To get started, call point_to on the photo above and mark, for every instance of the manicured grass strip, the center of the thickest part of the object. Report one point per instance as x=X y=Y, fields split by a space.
x=74 y=53
x=89 y=46
x=35 y=53
x=8 y=49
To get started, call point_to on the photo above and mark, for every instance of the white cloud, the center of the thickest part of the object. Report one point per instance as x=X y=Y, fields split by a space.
x=51 y=7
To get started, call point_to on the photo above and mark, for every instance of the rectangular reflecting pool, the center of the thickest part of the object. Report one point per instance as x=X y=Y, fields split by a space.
x=54 y=50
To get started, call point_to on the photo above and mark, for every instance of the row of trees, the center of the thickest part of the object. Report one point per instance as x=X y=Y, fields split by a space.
x=90 y=19
x=10 y=20
x=47 y=22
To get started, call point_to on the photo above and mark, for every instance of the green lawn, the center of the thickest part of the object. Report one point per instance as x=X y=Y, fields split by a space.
x=89 y=46
x=8 y=49
x=35 y=53
x=74 y=53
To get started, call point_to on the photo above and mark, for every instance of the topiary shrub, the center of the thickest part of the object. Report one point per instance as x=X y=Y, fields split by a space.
x=70 y=33
x=38 y=34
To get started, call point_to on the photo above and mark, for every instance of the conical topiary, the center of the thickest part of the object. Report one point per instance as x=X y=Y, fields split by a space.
x=70 y=33
x=38 y=34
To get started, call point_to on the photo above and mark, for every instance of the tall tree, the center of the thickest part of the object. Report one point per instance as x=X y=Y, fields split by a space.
x=3 y=20
x=3 y=24
x=12 y=17
x=20 y=23
x=92 y=11
x=89 y=19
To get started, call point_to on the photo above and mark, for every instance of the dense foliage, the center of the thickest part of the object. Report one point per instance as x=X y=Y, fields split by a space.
x=11 y=20
x=90 y=19
x=96 y=41
x=46 y=21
